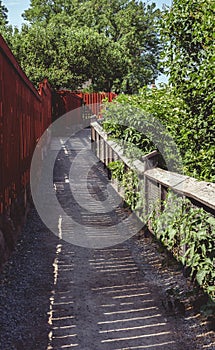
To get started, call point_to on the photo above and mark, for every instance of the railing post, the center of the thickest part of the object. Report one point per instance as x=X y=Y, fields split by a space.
x=93 y=139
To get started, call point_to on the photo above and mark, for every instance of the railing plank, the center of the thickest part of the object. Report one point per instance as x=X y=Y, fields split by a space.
x=201 y=191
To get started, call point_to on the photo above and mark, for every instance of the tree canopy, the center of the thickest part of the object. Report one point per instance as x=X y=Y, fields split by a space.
x=113 y=43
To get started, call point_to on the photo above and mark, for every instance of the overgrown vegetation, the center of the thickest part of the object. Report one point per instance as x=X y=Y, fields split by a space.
x=186 y=231
x=186 y=106
x=189 y=233
x=136 y=118
x=188 y=30
x=128 y=179
x=132 y=123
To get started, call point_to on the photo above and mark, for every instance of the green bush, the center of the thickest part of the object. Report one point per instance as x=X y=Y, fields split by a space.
x=189 y=233
x=128 y=179
x=161 y=107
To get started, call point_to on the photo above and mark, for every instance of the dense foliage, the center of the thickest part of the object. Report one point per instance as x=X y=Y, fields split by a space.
x=65 y=57
x=129 y=181
x=188 y=30
x=161 y=107
x=180 y=226
x=186 y=106
x=114 y=44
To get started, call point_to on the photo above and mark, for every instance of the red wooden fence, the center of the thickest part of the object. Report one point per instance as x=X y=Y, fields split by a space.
x=24 y=114
x=94 y=100
x=65 y=100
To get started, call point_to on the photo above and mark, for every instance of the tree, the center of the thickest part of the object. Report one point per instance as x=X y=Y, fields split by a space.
x=65 y=56
x=116 y=41
x=188 y=29
x=133 y=26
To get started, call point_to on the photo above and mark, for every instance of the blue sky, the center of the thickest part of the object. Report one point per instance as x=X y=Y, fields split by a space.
x=17 y=7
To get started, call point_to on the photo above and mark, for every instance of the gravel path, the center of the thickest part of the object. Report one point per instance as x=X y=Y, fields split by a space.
x=56 y=295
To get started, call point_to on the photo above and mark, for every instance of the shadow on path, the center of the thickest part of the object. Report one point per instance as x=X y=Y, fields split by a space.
x=56 y=295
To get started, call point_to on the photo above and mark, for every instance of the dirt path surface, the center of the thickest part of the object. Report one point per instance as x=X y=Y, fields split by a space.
x=102 y=301
x=57 y=295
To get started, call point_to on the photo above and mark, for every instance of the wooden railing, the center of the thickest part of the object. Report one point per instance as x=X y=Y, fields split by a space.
x=157 y=181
